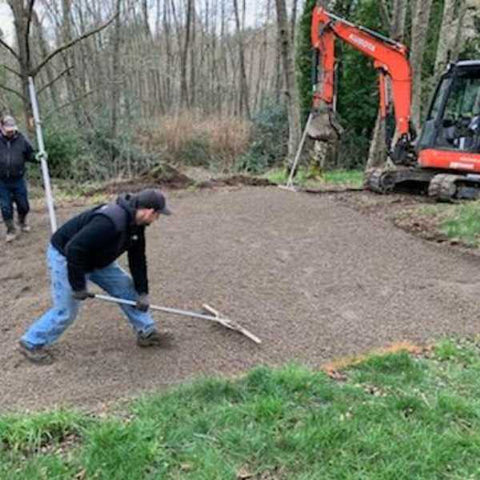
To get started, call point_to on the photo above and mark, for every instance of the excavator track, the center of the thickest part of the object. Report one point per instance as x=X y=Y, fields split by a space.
x=443 y=187
x=379 y=180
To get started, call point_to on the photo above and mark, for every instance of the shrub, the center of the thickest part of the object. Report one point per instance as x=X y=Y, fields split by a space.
x=193 y=139
x=269 y=142
x=64 y=146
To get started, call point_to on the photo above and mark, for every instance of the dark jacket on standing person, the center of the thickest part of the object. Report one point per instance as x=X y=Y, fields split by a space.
x=97 y=237
x=14 y=152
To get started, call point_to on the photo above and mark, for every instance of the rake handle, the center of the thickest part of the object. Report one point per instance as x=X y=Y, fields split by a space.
x=175 y=311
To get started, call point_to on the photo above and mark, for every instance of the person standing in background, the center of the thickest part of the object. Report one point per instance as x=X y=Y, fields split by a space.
x=15 y=151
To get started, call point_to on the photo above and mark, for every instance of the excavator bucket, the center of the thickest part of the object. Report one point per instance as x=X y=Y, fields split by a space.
x=323 y=128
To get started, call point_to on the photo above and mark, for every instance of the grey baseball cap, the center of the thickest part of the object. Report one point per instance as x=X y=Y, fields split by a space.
x=151 y=198
x=9 y=123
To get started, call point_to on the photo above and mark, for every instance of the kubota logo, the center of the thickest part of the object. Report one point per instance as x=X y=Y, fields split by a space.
x=361 y=42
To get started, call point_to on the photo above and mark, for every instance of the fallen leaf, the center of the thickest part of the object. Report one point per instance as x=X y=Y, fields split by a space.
x=243 y=474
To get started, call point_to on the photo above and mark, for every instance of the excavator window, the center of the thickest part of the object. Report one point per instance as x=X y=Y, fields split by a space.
x=439 y=96
x=459 y=127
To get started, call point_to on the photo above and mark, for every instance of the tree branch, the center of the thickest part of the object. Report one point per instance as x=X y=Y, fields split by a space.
x=70 y=44
x=384 y=14
x=10 y=49
x=49 y=84
x=8 y=89
x=6 y=67
x=75 y=100
x=27 y=32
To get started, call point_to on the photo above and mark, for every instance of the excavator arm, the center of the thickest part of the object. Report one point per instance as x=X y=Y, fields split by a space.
x=389 y=58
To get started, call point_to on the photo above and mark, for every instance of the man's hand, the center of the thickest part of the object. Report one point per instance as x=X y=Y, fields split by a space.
x=143 y=303
x=82 y=294
x=40 y=156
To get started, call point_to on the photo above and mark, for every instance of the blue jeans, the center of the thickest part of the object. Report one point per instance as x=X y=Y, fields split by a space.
x=13 y=191
x=48 y=328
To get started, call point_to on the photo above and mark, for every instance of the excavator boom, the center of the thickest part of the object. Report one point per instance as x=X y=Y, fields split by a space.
x=390 y=58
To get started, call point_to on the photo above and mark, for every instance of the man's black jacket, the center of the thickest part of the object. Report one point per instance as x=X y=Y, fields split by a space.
x=14 y=152
x=97 y=237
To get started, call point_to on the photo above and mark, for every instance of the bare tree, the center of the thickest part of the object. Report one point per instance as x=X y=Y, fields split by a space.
x=420 y=23
x=23 y=13
x=446 y=37
x=244 y=97
x=291 y=93
x=184 y=58
x=395 y=23
x=116 y=84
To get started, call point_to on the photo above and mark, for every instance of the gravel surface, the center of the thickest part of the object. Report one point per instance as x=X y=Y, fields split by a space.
x=314 y=278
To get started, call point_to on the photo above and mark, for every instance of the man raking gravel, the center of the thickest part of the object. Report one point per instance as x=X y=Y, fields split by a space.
x=85 y=249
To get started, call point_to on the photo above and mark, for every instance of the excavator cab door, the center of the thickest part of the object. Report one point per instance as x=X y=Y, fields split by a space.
x=453 y=122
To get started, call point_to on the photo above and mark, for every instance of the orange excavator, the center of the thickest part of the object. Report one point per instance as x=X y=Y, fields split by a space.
x=444 y=161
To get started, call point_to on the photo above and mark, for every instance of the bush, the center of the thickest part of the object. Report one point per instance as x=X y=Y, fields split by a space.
x=91 y=154
x=63 y=147
x=196 y=151
x=269 y=143
x=353 y=150
x=190 y=138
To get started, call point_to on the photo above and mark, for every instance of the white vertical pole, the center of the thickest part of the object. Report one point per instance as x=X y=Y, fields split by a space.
x=299 y=151
x=42 y=155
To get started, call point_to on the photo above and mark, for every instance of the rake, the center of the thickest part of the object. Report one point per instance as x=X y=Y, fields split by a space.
x=213 y=317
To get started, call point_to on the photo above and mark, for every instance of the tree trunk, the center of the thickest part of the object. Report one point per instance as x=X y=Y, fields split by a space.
x=294 y=20
x=460 y=36
x=20 y=15
x=48 y=68
x=445 y=38
x=184 y=59
x=377 y=152
x=291 y=93
x=399 y=15
x=115 y=81
x=193 y=58
x=419 y=35
x=244 y=97
x=69 y=59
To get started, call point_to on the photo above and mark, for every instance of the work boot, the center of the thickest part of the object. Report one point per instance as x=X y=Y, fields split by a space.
x=22 y=223
x=11 y=232
x=154 y=339
x=37 y=355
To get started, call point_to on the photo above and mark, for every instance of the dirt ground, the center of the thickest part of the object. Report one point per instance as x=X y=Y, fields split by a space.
x=316 y=277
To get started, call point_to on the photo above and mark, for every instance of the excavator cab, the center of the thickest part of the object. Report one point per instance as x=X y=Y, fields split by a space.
x=453 y=121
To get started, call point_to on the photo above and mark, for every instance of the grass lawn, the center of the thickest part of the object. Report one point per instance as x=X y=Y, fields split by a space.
x=463 y=222
x=395 y=416
x=460 y=222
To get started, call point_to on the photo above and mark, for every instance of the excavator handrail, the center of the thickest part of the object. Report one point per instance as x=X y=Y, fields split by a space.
x=368 y=30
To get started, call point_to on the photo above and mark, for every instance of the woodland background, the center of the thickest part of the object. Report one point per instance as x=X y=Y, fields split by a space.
x=129 y=85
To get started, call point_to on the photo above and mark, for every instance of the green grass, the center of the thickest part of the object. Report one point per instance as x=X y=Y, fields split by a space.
x=395 y=417
x=459 y=222
x=463 y=223
x=348 y=178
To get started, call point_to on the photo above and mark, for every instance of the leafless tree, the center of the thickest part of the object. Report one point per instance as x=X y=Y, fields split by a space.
x=420 y=21
x=27 y=66
x=394 y=22
x=244 y=96
x=291 y=93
